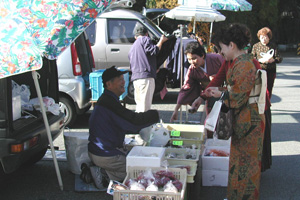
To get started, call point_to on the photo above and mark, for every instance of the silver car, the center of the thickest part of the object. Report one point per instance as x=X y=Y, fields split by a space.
x=74 y=66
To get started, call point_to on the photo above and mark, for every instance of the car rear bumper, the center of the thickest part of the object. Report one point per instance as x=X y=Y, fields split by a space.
x=12 y=161
x=78 y=90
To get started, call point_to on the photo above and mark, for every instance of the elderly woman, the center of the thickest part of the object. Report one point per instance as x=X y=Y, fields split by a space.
x=265 y=35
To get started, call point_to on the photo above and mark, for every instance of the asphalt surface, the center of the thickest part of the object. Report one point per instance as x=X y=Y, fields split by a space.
x=281 y=182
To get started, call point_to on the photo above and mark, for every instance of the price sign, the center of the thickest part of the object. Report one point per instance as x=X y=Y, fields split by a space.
x=175 y=133
x=177 y=142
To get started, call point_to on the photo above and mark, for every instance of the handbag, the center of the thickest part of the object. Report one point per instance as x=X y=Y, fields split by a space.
x=224 y=126
x=220 y=120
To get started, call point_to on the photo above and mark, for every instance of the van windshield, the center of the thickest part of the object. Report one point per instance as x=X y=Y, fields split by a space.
x=121 y=31
x=156 y=28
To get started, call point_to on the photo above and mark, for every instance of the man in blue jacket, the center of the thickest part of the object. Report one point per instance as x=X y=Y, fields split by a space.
x=143 y=65
x=108 y=124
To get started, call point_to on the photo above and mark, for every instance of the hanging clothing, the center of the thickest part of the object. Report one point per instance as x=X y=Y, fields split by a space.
x=173 y=61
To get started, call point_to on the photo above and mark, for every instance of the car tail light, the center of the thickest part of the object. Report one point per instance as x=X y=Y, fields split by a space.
x=90 y=46
x=61 y=123
x=75 y=61
x=17 y=148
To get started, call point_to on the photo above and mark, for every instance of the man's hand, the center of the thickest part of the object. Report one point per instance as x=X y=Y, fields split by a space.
x=162 y=39
x=271 y=60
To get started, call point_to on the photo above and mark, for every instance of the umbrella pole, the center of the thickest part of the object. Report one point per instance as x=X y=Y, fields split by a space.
x=38 y=91
x=181 y=68
x=210 y=33
x=194 y=26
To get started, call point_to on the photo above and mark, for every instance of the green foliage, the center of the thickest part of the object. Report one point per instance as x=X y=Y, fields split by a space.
x=264 y=13
x=150 y=4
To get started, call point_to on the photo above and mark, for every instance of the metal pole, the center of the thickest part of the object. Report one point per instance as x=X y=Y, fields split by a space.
x=210 y=34
x=181 y=68
x=194 y=27
x=38 y=91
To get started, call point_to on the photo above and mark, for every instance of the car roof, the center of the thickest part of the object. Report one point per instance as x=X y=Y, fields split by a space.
x=122 y=13
x=154 y=10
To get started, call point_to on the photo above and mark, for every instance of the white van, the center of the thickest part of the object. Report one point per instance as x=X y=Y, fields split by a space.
x=114 y=35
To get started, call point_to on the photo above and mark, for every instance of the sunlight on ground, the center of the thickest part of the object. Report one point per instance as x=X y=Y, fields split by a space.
x=286 y=148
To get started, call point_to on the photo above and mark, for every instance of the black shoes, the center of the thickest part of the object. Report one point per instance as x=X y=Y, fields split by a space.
x=86 y=175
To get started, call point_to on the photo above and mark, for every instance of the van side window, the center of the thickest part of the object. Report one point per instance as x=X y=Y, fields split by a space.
x=121 y=31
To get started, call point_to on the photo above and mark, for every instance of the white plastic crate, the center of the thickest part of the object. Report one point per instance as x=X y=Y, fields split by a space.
x=134 y=172
x=183 y=154
x=96 y=84
x=193 y=168
x=144 y=156
x=181 y=144
x=185 y=131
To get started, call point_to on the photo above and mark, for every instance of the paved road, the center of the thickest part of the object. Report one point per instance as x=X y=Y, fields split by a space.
x=281 y=182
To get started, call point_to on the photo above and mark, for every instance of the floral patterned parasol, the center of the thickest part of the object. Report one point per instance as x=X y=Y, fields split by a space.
x=34 y=28
x=231 y=5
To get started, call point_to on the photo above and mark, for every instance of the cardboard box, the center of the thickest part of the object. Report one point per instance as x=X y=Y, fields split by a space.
x=215 y=162
x=144 y=156
x=214 y=178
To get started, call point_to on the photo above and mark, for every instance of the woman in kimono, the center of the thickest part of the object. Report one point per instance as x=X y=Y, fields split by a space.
x=248 y=124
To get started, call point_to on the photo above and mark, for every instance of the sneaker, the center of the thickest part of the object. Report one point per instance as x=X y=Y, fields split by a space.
x=98 y=178
x=106 y=179
x=86 y=174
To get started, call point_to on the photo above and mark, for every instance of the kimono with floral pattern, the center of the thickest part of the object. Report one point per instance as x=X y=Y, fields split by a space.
x=248 y=125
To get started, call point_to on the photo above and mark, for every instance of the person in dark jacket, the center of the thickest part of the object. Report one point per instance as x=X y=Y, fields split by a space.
x=143 y=64
x=108 y=124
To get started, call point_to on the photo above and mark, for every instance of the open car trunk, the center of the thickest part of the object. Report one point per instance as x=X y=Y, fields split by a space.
x=20 y=130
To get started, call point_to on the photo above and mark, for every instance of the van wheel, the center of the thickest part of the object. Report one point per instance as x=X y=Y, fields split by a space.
x=130 y=95
x=37 y=157
x=67 y=107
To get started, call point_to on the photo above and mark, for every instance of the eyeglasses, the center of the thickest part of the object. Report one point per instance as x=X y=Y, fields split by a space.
x=264 y=37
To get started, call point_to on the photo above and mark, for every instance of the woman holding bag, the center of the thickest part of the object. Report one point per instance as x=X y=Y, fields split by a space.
x=262 y=48
x=248 y=123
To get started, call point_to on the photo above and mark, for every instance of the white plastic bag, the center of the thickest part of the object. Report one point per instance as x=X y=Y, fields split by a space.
x=266 y=56
x=159 y=136
x=212 y=117
x=145 y=133
x=49 y=104
x=22 y=90
x=76 y=144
